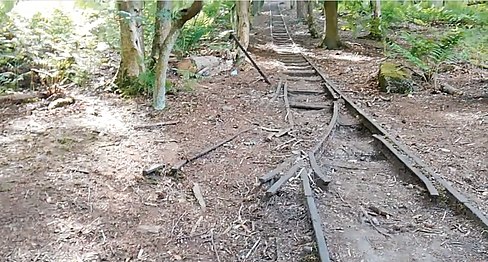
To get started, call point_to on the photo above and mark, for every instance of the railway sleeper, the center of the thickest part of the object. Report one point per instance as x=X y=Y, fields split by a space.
x=300 y=72
x=307 y=79
x=308 y=106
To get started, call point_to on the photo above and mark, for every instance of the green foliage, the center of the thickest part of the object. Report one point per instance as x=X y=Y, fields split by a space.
x=426 y=53
x=213 y=19
x=424 y=14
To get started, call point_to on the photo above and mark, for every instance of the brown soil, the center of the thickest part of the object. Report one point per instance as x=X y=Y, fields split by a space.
x=72 y=189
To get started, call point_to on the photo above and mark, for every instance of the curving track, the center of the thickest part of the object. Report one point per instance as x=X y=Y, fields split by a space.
x=368 y=197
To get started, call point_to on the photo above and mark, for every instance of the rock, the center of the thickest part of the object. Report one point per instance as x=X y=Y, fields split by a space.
x=203 y=65
x=149 y=229
x=393 y=78
x=61 y=102
x=186 y=65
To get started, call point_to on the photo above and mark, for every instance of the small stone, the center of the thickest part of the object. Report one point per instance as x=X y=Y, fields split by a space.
x=375 y=221
x=307 y=249
x=149 y=229
x=409 y=186
x=227 y=108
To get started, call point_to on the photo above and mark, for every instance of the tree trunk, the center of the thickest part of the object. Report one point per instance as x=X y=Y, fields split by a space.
x=131 y=43
x=437 y=3
x=159 y=93
x=301 y=10
x=375 y=30
x=311 y=19
x=288 y=4
x=162 y=25
x=257 y=6
x=243 y=27
x=331 y=39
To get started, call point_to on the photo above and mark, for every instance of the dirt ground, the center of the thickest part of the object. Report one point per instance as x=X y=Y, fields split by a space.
x=72 y=189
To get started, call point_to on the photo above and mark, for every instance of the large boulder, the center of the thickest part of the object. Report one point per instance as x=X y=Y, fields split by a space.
x=394 y=78
x=204 y=65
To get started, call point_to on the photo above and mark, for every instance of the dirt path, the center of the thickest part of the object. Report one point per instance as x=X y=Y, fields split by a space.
x=71 y=184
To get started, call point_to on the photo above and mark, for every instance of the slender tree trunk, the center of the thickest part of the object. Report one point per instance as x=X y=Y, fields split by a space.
x=288 y=4
x=331 y=39
x=131 y=43
x=301 y=10
x=243 y=26
x=437 y=3
x=159 y=93
x=257 y=6
x=311 y=19
x=162 y=26
x=375 y=30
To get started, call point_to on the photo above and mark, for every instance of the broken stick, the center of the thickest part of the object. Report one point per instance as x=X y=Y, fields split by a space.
x=232 y=36
x=19 y=98
x=198 y=195
x=160 y=124
x=289 y=115
x=182 y=163
x=278 y=90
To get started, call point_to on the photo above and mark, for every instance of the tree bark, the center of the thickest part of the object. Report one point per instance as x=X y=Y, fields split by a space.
x=131 y=43
x=301 y=10
x=375 y=30
x=162 y=25
x=331 y=39
x=159 y=94
x=257 y=6
x=243 y=26
x=311 y=19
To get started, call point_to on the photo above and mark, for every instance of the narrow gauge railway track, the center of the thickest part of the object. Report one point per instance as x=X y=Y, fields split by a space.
x=369 y=198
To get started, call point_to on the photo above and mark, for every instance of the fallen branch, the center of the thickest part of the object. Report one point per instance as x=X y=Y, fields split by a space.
x=154 y=169
x=250 y=58
x=180 y=164
x=20 y=98
x=278 y=90
x=213 y=245
x=289 y=115
x=366 y=215
x=160 y=124
x=198 y=195
x=253 y=248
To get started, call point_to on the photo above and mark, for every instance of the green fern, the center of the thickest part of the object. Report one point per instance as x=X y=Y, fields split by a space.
x=427 y=54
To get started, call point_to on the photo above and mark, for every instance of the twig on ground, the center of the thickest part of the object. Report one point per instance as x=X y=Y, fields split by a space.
x=180 y=164
x=289 y=115
x=213 y=245
x=160 y=124
x=278 y=90
x=154 y=169
x=176 y=223
x=281 y=146
x=19 y=98
x=366 y=215
x=194 y=228
x=253 y=248
x=198 y=195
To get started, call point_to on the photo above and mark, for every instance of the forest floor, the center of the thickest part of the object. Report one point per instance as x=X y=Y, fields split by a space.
x=71 y=182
